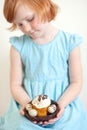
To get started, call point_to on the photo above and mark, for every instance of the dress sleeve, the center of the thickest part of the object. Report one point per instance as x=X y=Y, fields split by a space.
x=17 y=43
x=74 y=41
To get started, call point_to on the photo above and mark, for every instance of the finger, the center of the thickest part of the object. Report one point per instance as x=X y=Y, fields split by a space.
x=50 y=121
x=59 y=115
x=40 y=123
x=54 y=119
x=45 y=123
x=21 y=112
x=35 y=122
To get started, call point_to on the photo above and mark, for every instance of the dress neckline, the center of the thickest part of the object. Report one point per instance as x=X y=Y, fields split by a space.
x=50 y=42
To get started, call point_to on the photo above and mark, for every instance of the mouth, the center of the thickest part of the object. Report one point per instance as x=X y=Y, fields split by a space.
x=31 y=33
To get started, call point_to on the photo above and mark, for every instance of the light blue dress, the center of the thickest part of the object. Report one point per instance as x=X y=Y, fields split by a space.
x=46 y=72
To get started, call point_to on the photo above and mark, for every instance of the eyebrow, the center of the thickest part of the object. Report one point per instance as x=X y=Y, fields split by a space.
x=27 y=17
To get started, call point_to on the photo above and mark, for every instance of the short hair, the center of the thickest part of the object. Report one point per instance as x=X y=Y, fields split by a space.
x=46 y=9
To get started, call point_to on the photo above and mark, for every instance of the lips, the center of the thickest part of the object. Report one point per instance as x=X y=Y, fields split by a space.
x=31 y=33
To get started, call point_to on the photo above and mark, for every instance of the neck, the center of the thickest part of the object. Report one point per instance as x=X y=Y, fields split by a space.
x=48 y=35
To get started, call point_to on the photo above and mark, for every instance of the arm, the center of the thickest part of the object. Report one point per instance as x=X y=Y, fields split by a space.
x=73 y=90
x=16 y=78
x=75 y=73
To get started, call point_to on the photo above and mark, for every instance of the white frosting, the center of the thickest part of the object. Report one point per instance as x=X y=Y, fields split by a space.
x=32 y=112
x=52 y=108
x=42 y=103
x=28 y=106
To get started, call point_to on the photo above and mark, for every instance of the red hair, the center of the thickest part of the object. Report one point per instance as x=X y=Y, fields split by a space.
x=46 y=9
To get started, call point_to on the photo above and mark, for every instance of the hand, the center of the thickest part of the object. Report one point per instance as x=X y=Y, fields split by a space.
x=51 y=121
x=22 y=109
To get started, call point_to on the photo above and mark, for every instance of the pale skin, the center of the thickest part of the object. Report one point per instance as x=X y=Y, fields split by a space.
x=29 y=24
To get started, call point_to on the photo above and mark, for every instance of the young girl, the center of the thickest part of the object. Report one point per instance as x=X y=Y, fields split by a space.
x=45 y=60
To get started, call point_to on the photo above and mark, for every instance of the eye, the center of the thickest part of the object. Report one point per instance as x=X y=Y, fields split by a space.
x=20 y=24
x=30 y=19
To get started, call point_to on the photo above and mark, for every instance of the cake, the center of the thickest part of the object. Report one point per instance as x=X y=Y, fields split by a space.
x=41 y=106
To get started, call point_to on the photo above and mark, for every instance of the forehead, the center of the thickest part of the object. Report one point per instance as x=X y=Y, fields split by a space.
x=23 y=12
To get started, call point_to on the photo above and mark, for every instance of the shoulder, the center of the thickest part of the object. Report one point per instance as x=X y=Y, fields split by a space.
x=18 y=42
x=68 y=36
x=17 y=39
x=70 y=40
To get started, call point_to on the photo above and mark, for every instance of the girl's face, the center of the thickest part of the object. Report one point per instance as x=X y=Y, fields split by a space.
x=29 y=23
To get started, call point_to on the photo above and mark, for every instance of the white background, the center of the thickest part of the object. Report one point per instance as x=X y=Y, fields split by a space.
x=72 y=18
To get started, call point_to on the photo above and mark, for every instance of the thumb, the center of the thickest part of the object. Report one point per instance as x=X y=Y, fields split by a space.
x=22 y=111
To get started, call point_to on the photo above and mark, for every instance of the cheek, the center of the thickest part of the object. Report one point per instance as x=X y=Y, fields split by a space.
x=34 y=24
x=22 y=30
x=37 y=24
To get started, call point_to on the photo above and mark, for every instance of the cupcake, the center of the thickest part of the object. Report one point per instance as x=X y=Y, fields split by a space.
x=41 y=104
x=41 y=108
